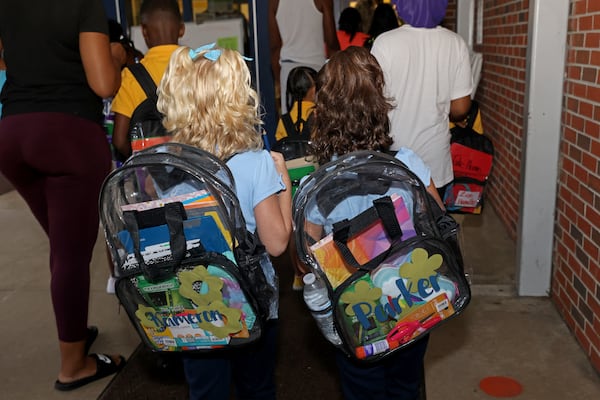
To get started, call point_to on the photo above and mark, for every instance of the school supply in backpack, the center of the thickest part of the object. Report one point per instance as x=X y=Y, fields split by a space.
x=389 y=256
x=188 y=272
x=296 y=145
x=472 y=156
x=298 y=159
x=145 y=126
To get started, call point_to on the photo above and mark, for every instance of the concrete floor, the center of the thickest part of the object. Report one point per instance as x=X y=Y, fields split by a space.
x=498 y=334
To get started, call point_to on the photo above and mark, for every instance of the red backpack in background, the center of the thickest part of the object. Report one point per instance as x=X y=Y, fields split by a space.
x=472 y=155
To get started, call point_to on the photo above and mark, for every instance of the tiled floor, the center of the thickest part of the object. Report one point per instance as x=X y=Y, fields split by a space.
x=498 y=334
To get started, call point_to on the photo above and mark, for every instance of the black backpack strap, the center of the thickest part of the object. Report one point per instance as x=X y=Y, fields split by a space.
x=141 y=74
x=289 y=125
x=472 y=114
x=172 y=215
x=306 y=128
x=343 y=231
x=291 y=129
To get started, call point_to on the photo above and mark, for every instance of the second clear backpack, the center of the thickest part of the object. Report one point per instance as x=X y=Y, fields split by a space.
x=389 y=255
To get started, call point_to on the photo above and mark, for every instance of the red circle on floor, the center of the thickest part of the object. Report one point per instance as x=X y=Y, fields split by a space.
x=500 y=386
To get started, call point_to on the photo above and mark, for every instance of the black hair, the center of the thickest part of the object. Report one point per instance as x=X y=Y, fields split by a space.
x=150 y=6
x=299 y=82
x=384 y=19
x=350 y=21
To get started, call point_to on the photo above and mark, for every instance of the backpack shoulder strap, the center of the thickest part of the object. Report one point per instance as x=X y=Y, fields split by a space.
x=291 y=129
x=306 y=128
x=141 y=74
x=472 y=114
x=288 y=125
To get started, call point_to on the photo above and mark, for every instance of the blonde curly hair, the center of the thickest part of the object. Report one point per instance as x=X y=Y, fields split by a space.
x=210 y=104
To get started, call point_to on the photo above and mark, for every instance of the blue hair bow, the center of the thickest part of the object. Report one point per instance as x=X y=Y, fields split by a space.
x=211 y=53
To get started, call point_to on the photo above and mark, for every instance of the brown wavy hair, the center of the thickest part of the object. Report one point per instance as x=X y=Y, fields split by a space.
x=351 y=110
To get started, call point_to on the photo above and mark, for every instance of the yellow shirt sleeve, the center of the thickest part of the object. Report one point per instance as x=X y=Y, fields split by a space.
x=280 y=133
x=129 y=96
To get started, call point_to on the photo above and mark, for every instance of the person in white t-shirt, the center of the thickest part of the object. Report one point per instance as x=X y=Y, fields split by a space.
x=301 y=33
x=428 y=73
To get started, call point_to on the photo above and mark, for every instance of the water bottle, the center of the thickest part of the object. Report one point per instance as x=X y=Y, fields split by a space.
x=317 y=299
x=136 y=136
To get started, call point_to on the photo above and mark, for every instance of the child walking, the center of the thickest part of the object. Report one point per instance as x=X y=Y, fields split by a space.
x=208 y=102
x=300 y=101
x=162 y=26
x=351 y=113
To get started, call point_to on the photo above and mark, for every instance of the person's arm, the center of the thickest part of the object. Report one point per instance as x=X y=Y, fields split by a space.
x=102 y=62
x=462 y=85
x=329 y=31
x=274 y=214
x=434 y=193
x=274 y=39
x=120 y=138
x=314 y=231
x=459 y=108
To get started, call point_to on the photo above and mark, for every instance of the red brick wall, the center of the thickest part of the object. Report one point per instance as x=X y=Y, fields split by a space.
x=576 y=259
x=450 y=19
x=576 y=280
x=501 y=95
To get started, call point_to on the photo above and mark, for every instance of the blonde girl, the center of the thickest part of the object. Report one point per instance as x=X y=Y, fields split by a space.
x=208 y=102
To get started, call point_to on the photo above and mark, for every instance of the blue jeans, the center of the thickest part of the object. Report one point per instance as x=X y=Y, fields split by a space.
x=251 y=369
x=397 y=377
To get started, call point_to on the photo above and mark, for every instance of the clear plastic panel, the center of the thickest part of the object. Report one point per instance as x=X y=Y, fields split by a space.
x=166 y=174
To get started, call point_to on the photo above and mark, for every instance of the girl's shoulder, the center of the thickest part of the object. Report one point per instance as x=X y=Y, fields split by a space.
x=250 y=155
x=415 y=163
x=248 y=162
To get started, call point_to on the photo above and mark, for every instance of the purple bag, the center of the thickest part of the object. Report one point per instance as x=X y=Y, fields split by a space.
x=421 y=13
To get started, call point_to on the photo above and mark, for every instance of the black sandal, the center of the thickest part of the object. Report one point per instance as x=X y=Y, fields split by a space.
x=105 y=366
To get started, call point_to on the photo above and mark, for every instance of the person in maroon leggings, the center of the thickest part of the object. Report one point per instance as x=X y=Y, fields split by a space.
x=53 y=150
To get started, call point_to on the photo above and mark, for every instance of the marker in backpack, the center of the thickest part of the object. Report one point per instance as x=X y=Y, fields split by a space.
x=374 y=348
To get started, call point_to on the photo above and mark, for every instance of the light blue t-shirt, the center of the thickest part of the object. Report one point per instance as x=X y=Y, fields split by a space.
x=354 y=205
x=415 y=164
x=255 y=179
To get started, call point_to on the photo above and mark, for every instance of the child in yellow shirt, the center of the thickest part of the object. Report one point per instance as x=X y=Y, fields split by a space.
x=300 y=101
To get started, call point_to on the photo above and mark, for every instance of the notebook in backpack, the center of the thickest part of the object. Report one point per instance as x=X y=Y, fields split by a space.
x=472 y=155
x=188 y=272
x=295 y=148
x=299 y=162
x=367 y=226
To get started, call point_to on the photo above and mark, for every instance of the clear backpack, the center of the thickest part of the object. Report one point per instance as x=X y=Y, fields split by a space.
x=189 y=274
x=389 y=255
